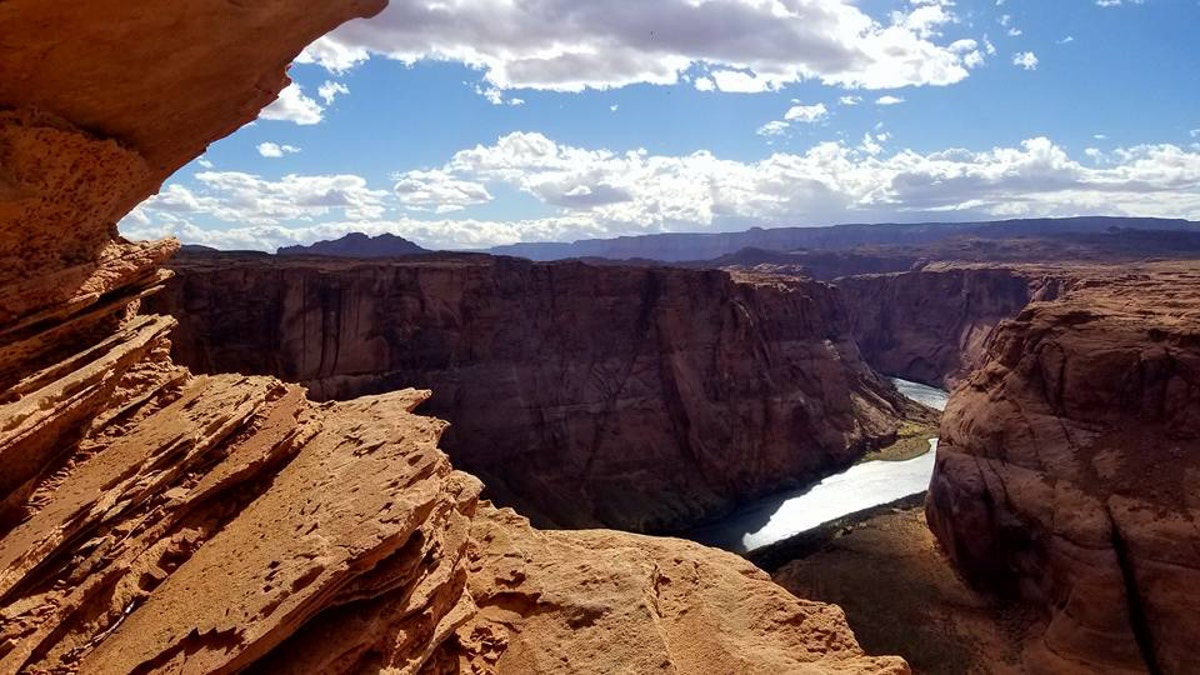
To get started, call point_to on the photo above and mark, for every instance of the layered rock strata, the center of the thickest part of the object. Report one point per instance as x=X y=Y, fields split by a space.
x=638 y=398
x=1069 y=469
x=156 y=521
x=931 y=325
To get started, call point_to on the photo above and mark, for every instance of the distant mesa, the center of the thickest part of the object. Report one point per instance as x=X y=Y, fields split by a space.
x=358 y=245
x=1109 y=233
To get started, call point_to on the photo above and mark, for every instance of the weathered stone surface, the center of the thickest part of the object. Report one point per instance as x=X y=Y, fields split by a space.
x=638 y=398
x=156 y=521
x=1069 y=468
x=648 y=604
x=931 y=325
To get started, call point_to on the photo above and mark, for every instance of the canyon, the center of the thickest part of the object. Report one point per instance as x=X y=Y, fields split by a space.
x=1075 y=549
x=155 y=520
x=218 y=462
x=645 y=399
x=931 y=325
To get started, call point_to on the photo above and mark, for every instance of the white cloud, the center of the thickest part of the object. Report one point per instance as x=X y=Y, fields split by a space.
x=438 y=191
x=797 y=114
x=270 y=149
x=247 y=199
x=496 y=96
x=1026 y=60
x=614 y=107
x=741 y=45
x=598 y=193
x=1118 y=3
x=336 y=57
x=806 y=113
x=738 y=82
x=889 y=100
x=773 y=128
x=330 y=90
x=873 y=145
x=293 y=106
x=1100 y=137
x=1067 y=40
x=850 y=100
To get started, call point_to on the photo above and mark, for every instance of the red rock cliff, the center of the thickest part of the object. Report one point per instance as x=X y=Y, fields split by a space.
x=156 y=521
x=638 y=398
x=1069 y=469
x=931 y=325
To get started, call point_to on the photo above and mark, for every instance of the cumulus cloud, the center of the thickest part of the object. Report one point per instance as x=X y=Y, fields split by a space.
x=1026 y=60
x=798 y=113
x=330 y=90
x=247 y=199
x=496 y=96
x=438 y=191
x=806 y=113
x=740 y=45
x=889 y=100
x=773 y=128
x=273 y=150
x=1118 y=3
x=293 y=106
x=598 y=192
x=335 y=56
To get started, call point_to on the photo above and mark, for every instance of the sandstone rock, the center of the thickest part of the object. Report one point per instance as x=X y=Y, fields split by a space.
x=1069 y=467
x=582 y=601
x=931 y=325
x=153 y=520
x=638 y=398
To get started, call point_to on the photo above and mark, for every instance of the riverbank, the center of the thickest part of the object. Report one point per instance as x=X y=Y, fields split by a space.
x=901 y=595
x=897 y=472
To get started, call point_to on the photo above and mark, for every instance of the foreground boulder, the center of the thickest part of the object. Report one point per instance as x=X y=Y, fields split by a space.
x=156 y=521
x=1069 y=469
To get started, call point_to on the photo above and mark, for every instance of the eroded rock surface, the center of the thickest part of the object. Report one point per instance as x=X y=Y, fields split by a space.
x=1069 y=470
x=931 y=325
x=639 y=398
x=156 y=521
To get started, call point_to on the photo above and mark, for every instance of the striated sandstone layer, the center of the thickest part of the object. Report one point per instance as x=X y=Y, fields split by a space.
x=931 y=325
x=156 y=521
x=1069 y=471
x=638 y=398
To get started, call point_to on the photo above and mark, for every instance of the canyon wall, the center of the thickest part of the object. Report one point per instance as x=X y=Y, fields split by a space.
x=1069 y=469
x=931 y=325
x=152 y=520
x=638 y=398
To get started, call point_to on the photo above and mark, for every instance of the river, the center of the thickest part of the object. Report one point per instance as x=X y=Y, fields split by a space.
x=858 y=488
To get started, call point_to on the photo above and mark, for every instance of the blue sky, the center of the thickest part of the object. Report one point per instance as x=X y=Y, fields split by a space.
x=470 y=123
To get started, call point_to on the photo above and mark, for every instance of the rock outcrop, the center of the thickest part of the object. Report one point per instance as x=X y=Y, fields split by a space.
x=931 y=325
x=1069 y=470
x=152 y=520
x=644 y=399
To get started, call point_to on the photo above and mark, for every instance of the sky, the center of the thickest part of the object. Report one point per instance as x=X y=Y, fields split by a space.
x=465 y=124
